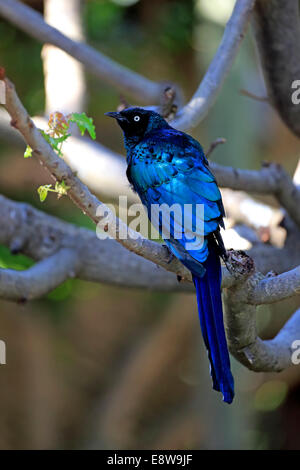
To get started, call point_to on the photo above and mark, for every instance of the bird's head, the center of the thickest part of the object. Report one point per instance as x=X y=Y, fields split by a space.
x=136 y=122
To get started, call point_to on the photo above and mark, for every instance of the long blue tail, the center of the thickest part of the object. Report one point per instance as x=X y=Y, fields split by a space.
x=208 y=289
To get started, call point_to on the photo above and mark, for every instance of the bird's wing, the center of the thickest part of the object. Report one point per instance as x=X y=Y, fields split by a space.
x=176 y=172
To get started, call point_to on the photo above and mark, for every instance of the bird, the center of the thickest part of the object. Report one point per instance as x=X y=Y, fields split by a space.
x=165 y=167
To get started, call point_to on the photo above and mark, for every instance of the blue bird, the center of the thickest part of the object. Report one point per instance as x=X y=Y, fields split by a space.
x=167 y=167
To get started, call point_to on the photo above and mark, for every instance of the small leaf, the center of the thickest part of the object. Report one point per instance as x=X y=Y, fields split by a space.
x=61 y=188
x=55 y=141
x=84 y=123
x=28 y=152
x=43 y=191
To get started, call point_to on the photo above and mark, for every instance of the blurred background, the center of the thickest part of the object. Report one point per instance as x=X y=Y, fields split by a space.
x=94 y=366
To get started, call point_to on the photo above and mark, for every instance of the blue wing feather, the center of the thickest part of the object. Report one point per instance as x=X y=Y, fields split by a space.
x=169 y=167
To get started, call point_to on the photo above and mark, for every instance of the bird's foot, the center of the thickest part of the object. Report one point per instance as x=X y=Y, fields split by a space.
x=169 y=255
x=226 y=259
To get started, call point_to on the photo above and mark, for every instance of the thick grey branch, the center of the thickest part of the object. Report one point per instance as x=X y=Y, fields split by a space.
x=277 y=30
x=40 y=236
x=272 y=289
x=271 y=179
x=245 y=345
x=41 y=278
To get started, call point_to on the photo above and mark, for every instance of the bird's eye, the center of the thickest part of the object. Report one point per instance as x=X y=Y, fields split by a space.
x=136 y=118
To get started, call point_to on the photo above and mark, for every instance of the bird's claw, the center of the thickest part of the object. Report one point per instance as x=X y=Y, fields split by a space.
x=170 y=255
x=226 y=259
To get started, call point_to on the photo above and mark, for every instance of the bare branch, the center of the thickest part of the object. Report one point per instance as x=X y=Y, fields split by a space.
x=249 y=94
x=277 y=30
x=272 y=289
x=109 y=71
x=245 y=345
x=214 y=144
x=130 y=82
x=271 y=179
x=41 y=278
x=205 y=96
x=39 y=236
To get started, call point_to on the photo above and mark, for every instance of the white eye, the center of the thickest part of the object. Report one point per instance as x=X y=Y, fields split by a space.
x=136 y=118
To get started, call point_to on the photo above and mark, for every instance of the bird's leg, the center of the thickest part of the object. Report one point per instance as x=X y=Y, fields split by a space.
x=225 y=258
x=170 y=259
x=169 y=254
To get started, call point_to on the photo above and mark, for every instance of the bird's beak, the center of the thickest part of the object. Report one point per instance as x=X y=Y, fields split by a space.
x=116 y=115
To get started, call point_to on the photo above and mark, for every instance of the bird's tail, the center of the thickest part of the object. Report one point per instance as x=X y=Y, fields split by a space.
x=208 y=289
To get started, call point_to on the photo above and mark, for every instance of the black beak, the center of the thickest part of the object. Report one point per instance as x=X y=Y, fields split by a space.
x=117 y=116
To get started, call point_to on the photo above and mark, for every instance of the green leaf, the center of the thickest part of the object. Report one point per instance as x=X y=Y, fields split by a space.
x=55 y=141
x=61 y=188
x=28 y=152
x=84 y=123
x=43 y=191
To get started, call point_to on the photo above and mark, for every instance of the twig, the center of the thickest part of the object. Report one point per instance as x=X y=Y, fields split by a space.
x=248 y=94
x=168 y=107
x=215 y=144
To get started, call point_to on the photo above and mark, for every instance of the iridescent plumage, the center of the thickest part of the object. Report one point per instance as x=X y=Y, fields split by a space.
x=166 y=166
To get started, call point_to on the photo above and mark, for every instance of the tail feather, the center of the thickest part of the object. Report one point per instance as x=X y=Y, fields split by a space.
x=208 y=290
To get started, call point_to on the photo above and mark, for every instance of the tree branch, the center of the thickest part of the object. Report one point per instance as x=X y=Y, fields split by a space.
x=41 y=278
x=277 y=31
x=109 y=71
x=245 y=345
x=272 y=289
x=271 y=179
x=127 y=81
x=39 y=236
x=205 y=96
